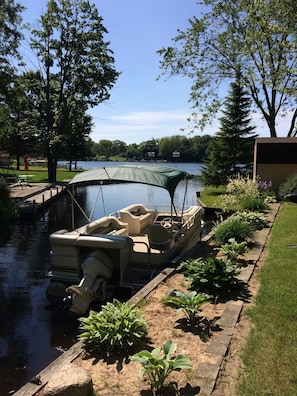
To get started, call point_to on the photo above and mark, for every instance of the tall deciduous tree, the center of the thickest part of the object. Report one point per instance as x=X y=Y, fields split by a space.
x=77 y=70
x=260 y=35
x=10 y=36
x=234 y=143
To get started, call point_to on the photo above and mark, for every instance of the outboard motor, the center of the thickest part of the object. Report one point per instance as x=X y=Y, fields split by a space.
x=97 y=268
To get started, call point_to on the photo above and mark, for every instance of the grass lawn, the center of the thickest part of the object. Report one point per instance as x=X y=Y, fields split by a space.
x=270 y=356
x=209 y=195
x=38 y=174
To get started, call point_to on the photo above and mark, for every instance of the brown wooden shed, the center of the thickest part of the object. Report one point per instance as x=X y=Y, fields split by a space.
x=275 y=159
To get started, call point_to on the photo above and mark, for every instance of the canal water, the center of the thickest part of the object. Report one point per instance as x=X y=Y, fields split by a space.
x=32 y=335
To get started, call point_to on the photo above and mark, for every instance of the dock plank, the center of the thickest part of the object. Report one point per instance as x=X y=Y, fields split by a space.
x=32 y=199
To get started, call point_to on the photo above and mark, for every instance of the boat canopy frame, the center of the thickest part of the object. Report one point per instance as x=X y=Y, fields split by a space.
x=155 y=175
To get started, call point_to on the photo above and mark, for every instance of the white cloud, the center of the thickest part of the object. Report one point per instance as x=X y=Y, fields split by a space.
x=139 y=126
x=153 y=116
x=136 y=127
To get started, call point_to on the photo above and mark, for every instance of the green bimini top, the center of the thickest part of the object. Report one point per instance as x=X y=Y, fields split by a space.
x=154 y=175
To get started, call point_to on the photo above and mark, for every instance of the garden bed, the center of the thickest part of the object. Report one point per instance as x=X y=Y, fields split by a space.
x=117 y=375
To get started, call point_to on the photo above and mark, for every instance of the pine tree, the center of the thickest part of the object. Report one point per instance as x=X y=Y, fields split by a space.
x=233 y=144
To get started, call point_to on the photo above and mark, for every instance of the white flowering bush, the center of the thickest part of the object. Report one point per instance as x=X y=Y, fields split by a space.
x=243 y=187
x=244 y=194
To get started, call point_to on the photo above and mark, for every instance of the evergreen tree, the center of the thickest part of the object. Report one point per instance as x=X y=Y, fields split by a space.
x=234 y=143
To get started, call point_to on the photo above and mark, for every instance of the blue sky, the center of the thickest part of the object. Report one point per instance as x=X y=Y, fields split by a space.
x=140 y=107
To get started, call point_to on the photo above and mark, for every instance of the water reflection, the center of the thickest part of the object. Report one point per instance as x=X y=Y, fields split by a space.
x=31 y=335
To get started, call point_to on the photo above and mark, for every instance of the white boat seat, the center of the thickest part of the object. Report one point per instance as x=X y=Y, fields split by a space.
x=159 y=238
x=138 y=217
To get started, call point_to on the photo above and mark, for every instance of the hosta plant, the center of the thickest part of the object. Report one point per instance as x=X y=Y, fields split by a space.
x=118 y=326
x=233 y=249
x=256 y=219
x=210 y=274
x=188 y=302
x=158 y=364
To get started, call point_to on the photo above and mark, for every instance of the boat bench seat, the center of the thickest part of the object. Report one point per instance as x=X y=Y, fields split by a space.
x=106 y=225
x=138 y=217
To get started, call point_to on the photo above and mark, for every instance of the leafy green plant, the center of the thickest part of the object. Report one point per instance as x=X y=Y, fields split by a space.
x=8 y=211
x=233 y=227
x=256 y=219
x=233 y=249
x=254 y=204
x=118 y=326
x=210 y=274
x=188 y=302
x=289 y=186
x=157 y=367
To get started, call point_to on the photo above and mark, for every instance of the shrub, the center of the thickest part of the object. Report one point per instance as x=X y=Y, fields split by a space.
x=157 y=368
x=289 y=186
x=244 y=193
x=211 y=274
x=188 y=302
x=237 y=189
x=233 y=227
x=118 y=326
x=256 y=219
x=243 y=187
x=8 y=212
x=254 y=204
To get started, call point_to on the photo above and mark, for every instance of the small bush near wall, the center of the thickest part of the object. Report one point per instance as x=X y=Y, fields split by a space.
x=8 y=211
x=289 y=186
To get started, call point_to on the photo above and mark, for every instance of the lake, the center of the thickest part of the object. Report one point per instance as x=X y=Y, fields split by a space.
x=31 y=334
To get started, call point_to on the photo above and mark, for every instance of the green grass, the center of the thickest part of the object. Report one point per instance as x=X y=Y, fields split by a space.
x=270 y=355
x=210 y=194
x=39 y=174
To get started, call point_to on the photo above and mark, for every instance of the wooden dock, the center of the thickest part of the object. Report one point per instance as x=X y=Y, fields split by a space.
x=33 y=198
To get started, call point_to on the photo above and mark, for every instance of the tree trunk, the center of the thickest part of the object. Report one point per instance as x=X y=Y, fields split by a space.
x=52 y=169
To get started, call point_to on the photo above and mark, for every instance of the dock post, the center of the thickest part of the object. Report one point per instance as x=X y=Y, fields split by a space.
x=43 y=205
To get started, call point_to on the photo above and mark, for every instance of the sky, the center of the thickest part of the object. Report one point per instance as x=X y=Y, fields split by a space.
x=141 y=108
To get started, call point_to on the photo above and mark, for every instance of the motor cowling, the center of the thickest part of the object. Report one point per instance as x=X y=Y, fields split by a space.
x=97 y=268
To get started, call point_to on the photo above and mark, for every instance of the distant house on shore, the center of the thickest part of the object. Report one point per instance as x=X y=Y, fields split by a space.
x=275 y=159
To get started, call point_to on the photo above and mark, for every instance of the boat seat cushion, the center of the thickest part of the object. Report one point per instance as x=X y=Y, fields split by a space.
x=107 y=225
x=138 y=217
